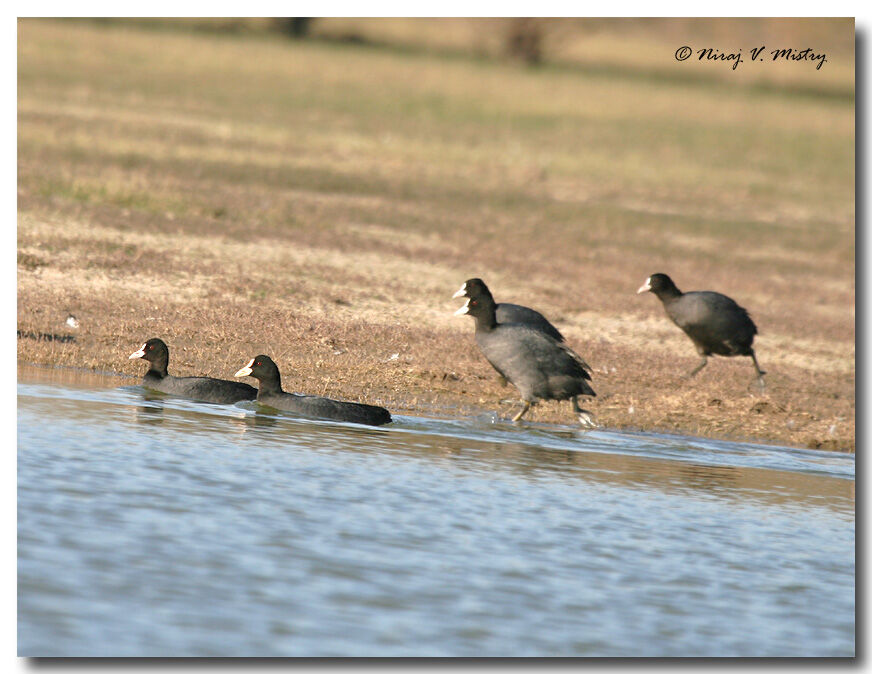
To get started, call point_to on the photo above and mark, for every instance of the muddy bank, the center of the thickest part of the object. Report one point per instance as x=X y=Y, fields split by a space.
x=241 y=196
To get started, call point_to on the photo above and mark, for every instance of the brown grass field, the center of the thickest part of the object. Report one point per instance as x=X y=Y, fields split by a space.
x=321 y=201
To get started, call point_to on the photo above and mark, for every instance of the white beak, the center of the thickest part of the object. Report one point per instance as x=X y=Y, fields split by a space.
x=245 y=371
x=645 y=286
x=461 y=292
x=137 y=354
x=463 y=310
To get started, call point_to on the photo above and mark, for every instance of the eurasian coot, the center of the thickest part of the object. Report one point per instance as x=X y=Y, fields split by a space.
x=270 y=393
x=540 y=367
x=205 y=389
x=714 y=322
x=512 y=313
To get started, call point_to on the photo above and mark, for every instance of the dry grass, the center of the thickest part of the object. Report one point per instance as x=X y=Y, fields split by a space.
x=321 y=203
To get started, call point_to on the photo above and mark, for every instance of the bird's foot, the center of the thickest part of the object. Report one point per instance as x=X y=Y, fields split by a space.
x=517 y=417
x=757 y=384
x=587 y=420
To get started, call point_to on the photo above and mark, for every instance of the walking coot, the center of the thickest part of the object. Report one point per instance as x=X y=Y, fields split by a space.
x=539 y=366
x=714 y=322
x=512 y=313
x=270 y=393
x=205 y=389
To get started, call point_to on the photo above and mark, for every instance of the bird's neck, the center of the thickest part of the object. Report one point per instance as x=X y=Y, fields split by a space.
x=158 y=369
x=270 y=386
x=668 y=295
x=486 y=321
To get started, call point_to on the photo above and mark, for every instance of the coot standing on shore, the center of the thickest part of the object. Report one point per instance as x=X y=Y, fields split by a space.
x=204 y=389
x=512 y=313
x=540 y=367
x=714 y=322
x=270 y=393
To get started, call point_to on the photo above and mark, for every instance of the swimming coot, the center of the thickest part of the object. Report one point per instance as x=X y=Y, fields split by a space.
x=714 y=322
x=512 y=313
x=270 y=393
x=539 y=366
x=204 y=389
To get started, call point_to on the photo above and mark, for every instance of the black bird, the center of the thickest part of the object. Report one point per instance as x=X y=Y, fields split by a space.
x=512 y=313
x=270 y=393
x=714 y=322
x=539 y=366
x=204 y=389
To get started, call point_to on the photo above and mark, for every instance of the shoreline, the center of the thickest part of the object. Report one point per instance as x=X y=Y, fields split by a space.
x=453 y=400
x=442 y=413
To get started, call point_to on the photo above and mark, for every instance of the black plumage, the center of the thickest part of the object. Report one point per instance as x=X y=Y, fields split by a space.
x=539 y=366
x=204 y=389
x=270 y=393
x=714 y=322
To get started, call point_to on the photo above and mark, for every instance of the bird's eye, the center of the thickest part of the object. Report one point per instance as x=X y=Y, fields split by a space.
x=473 y=303
x=151 y=347
x=257 y=363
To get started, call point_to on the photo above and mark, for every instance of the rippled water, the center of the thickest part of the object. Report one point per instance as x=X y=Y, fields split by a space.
x=163 y=527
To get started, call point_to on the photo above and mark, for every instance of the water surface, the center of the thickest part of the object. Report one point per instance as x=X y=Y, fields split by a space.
x=156 y=526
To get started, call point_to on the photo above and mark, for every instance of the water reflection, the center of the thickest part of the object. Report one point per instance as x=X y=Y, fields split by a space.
x=710 y=478
x=149 y=414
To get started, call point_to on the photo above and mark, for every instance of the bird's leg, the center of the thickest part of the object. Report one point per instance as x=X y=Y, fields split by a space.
x=584 y=417
x=701 y=365
x=760 y=372
x=518 y=416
